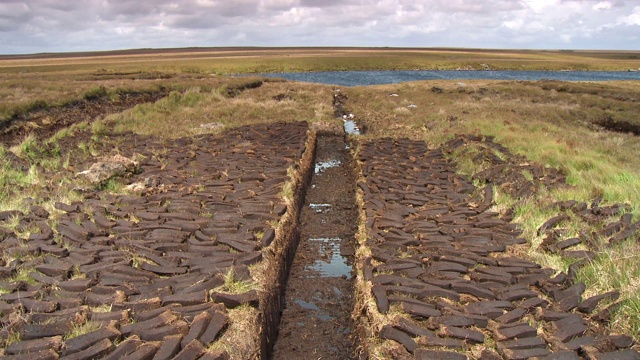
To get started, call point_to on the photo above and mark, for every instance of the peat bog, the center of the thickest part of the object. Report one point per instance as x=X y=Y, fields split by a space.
x=393 y=225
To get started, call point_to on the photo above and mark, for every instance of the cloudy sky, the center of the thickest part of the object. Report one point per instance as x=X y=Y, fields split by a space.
x=59 y=26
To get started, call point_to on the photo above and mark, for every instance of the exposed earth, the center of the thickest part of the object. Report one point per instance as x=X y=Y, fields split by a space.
x=43 y=123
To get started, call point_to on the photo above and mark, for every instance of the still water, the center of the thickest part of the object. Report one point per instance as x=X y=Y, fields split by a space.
x=357 y=78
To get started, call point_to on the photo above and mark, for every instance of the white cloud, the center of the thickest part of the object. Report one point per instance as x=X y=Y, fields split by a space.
x=631 y=19
x=539 y=6
x=52 y=25
x=515 y=24
x=602 y=5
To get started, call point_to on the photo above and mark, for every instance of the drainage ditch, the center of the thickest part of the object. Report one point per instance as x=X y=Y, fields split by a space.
x=318 y=302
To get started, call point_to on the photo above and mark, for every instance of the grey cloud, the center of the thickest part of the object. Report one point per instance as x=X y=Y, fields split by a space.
x=31 y=26
x=321 y=3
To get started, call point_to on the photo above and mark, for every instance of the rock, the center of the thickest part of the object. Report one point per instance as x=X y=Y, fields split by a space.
x=108 y=168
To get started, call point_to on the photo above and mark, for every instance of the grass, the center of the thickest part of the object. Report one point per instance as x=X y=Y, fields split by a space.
x=236 y=339
x=233 y=286
x=82 y=329
x=189 y=112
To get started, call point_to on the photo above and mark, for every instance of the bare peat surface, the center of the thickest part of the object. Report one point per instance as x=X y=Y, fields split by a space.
x=440 y=263
x=316 y=321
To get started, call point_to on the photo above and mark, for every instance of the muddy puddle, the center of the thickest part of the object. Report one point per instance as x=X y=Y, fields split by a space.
x=316 y=320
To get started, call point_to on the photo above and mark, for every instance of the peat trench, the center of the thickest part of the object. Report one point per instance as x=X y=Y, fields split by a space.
x=316 y=320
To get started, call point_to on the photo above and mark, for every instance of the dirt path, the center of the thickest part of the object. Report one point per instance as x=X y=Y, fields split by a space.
x=316 y=321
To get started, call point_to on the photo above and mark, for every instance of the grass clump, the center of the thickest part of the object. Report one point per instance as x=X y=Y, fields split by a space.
x=82 y=329
x=95 y=93
x=232 y=285
x=13 y=180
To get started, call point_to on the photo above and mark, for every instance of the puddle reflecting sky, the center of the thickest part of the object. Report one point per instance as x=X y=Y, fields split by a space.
x=320 y=208
x=324 y=165
x=333 y=264
x=311 y=306
x=351 y=128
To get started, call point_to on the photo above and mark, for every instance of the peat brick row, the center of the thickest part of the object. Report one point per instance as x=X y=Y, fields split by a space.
x=151 y=274
x=438 y=264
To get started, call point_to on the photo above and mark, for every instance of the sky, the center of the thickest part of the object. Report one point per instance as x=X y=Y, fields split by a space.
x=85 y=25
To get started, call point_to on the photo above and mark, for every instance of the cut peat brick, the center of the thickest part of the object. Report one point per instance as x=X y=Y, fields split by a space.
x=156 y=334
x=163 y=270
x=35 y=331
x=164 y=318
x=520 y=344
x=32 y=346
x=520 y=330
x=388 y=332
x=48 y=354
x=467 y=288
x=85 y=341
x=95 y=351
x=382 y=301
x=578 y=342
x=561 y=355
x=215 y=355
x=627 y=354
x=425 y=354
x=217 y=323
x=169 y=348
x=39 y=306
x=411 y=328
x=588 y=305
x=198 y=327
x=569 y=327
x=268 y=237
x=468 y=335
x=193 y=298
x=145 y=352
x=232 y=301
x=192 y=351
x=441 y=342
x=525 y=353
x=125 y=348
x=450 y=320
x=511 y=316
x=419 y=310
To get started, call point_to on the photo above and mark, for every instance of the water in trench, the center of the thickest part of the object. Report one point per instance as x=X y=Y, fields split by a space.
x=316 y=320
x=351 y=127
